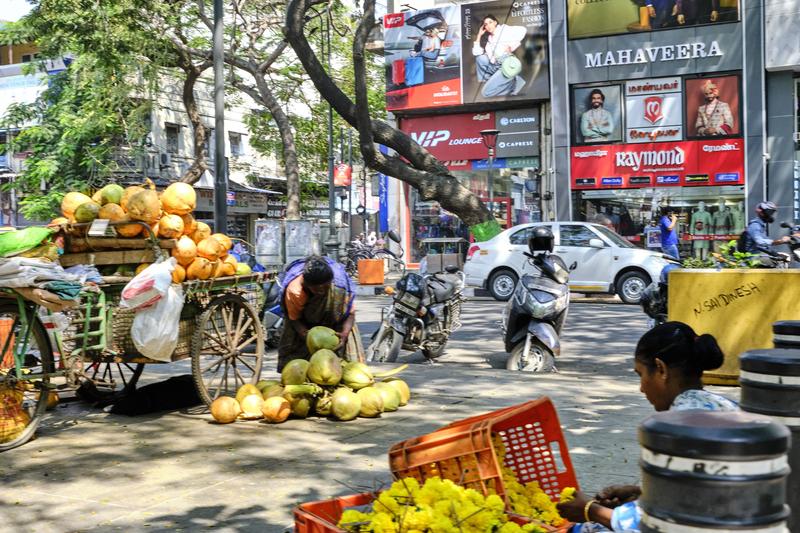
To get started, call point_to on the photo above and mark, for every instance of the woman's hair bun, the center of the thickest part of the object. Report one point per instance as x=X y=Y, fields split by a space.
x=707 y=353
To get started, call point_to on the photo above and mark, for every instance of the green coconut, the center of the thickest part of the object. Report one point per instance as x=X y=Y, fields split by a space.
x=294 y=373
x=371 y=402
x=246 y=390
x=324 y=404
x=357 y=375
x=390 y=395
x=299 y=403
x=402 y=387
x=272 y=390
x=321 y=338
x=325 y=368
x=266 y=383
x=111 y=194
x=87 y=212
x=345 y=404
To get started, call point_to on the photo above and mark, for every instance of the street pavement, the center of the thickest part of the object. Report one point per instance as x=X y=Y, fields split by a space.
x=177 y=471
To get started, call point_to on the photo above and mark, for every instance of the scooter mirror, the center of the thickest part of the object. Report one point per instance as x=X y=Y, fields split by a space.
x=393 y=236
x=573 y=266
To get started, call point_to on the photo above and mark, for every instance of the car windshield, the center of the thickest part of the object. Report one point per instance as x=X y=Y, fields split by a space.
x=613 y=237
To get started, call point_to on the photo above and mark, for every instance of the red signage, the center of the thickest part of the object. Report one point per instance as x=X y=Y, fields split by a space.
x=692 y=163
x=451 y=137
x=342 y=175
x=652 y=109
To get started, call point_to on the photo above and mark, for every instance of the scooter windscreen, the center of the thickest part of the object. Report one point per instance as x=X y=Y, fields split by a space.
x=554 y=269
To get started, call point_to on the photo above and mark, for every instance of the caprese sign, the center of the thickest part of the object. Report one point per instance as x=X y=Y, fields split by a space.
x=692 y=163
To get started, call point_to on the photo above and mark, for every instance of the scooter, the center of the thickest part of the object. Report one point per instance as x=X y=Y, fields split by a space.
x=654 y=296
x=425 y=311
x=272 y=318
x=535 y=314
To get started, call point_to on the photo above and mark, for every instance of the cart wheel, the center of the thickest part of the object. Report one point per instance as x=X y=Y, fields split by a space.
x=118 y=379
x=227 y=347
x=22 y=405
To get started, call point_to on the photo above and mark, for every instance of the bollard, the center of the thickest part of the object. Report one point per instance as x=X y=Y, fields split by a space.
x=713 y=471
x=786 y=334
x=770 y=381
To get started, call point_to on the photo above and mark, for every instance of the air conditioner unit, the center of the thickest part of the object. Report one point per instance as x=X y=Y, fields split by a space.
x=165 y=159
x=796 y=136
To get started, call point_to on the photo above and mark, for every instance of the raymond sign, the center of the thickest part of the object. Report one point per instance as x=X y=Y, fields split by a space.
x=719 y=162
x=342 y=175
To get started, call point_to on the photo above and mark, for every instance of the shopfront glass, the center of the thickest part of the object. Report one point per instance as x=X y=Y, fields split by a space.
x=707 y=216
x=516 y=201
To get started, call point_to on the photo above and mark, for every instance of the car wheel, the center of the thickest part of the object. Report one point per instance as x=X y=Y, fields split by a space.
x=631 y=286
x=502 y=284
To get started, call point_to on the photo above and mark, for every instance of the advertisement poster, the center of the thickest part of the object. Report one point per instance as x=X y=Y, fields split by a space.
x=712 y=106
x=598 y=114
x=504 y=51
x=653 y=110
x=716 y=162
x=613 y=17
x=453 y=55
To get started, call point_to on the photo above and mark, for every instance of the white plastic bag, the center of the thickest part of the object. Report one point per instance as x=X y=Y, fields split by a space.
x=148 y=286
x=155 y=329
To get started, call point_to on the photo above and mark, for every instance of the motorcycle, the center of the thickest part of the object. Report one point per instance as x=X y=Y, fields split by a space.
x=272 y=317
x=535 y=314
x=794 y=240
x=425 y=311
x=654 y=296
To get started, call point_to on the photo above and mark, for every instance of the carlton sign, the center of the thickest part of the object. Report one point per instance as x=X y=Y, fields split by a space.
x=652 y=54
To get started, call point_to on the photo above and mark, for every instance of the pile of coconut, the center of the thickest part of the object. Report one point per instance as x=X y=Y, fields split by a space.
x=325 y=385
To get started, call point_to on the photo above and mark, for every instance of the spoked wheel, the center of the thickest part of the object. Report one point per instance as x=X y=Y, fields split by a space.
x=531 y=355
x=23 y=399
x=118 y=379
x=385 y=346
x=227 y=347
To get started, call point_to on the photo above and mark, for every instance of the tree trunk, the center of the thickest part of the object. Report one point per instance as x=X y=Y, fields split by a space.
x=199 y=130
x=420 y=169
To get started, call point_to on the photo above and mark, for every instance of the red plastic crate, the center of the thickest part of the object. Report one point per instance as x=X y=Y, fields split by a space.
x=463 y=451
x=322 y=516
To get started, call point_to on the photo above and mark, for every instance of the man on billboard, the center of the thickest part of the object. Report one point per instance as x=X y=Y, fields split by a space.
x=693 y=12
x=597 y=124
x=495 y=63
x=714 y=117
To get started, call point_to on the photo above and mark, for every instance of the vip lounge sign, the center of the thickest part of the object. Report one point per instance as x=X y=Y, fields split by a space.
x=653 y=110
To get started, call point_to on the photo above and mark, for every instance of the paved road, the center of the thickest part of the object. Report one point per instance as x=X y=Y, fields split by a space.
x=91 y=471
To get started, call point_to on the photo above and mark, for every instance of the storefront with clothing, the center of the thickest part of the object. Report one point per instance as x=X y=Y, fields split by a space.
x=660 y=111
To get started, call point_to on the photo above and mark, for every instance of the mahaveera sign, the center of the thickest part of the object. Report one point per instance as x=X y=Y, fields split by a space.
x=652 y=54
x=653 y=110
x=719 y=162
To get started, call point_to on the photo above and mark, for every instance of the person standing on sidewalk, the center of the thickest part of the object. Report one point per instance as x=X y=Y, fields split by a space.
x=669 y=235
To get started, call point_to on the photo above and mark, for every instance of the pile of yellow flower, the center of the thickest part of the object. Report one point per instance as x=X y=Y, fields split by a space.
x=438 y=506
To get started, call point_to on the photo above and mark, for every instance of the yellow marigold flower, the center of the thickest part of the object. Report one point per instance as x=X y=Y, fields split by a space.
x=567 y=495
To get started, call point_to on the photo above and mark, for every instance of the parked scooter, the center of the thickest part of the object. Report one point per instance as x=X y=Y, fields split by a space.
x=535 y=314
x=654 y=297
x=425 y=310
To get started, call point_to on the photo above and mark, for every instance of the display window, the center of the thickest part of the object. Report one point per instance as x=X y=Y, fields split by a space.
x=706 y=216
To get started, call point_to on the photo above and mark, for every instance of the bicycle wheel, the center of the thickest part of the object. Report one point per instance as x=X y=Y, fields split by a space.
x=23 y=400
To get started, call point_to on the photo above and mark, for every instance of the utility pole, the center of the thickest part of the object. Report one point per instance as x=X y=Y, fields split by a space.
x=220 y=168
x=350 y=188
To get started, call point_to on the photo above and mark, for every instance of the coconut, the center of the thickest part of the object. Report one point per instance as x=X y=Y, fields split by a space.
x=402 y=387
x=210 y=248
x=110 y=194
x=320 y=337
x=144 y=205
x=246 y=390
x=390 y=395
x=87 y=212
x=324 y=404
x=264 y=383
x=71 y=202
x=128 y=194
x=202 y=232
x=224 y=240
x=299 y=403
x=179 y=274
x=140 y=268
x=128 y=230
x=276 y=410
x=325 y=368
x=251 y=406
x=201 y=268
x=272 y=390
x=225 y=409
x=112 y=212
x=189 y=224
x=357 y=375
x=371 y=402
x=229 y=267
x=243 y=269
x=345 y=404
x=185 y=251
x=294 y=373
x=179 y=199
x=170 y=227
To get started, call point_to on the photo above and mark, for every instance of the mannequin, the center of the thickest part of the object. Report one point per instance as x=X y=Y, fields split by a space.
x=722 y=223
x=701 y=225
x=737 y=218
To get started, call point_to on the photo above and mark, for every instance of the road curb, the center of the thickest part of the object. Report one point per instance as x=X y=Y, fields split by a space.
x=474 y=292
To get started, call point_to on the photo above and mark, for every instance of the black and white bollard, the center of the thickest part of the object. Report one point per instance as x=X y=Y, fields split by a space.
x=770 y=381
x=786 y=334
x=713 y=471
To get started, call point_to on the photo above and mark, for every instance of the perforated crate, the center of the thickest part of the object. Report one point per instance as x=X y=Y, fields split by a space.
x=464 y=453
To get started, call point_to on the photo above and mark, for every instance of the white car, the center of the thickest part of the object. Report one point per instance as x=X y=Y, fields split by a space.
x=604 y=261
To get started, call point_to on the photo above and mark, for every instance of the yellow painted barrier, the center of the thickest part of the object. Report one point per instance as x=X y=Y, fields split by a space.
x=737 y=306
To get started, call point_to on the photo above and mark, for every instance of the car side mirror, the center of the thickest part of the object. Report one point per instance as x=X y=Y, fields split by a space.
x=596 y=243
x=392 y=235
x=573 y=266
x=451 y=269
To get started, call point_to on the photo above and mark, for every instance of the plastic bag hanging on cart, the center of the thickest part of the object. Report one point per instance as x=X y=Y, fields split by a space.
x=147 y=287
x=155 y=329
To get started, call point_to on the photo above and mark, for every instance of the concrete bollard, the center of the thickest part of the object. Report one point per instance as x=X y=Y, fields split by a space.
x=713 y=471
x=786 y=334
x=770 y=381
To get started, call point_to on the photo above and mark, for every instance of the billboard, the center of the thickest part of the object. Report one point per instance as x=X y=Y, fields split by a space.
x=453 y=55
x=598 y=114
x=653 y=110
x=712 y=106
x=613 y=17
x=712 y=162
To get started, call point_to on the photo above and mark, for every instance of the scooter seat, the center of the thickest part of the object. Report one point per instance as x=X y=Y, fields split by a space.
x=441 y=290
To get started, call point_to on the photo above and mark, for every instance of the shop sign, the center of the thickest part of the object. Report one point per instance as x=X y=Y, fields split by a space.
x=383 y=202
x=343 y=175
x=522 y=162
x=673 y=163
x=653 y=54
x=519 y=133
x=654 y=110
x=483 y=164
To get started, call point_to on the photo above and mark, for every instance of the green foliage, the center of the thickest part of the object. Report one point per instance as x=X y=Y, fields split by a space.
x=727 y=257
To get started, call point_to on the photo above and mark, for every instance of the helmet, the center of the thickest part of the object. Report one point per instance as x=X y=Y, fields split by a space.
x=541 y=240
x=766 y=211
